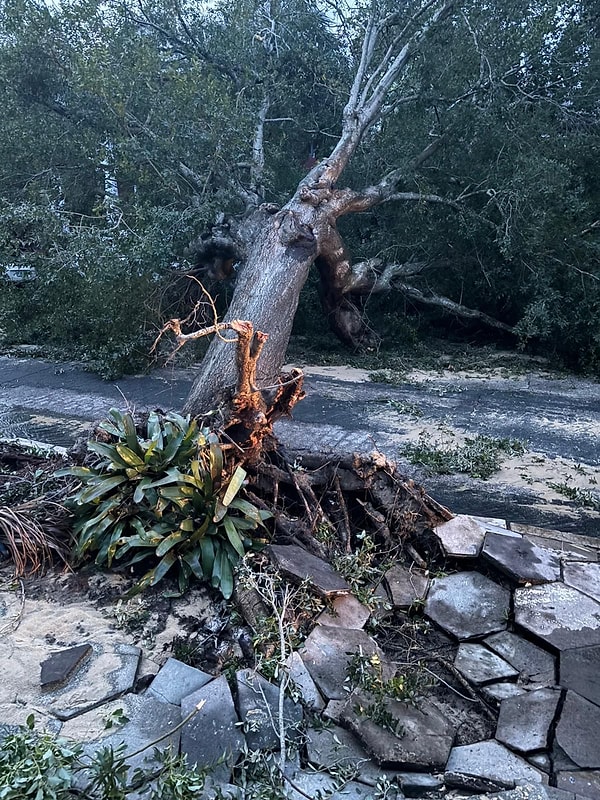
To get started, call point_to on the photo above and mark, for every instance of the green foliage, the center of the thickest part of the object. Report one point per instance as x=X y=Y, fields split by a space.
x=37 y=766
x=165 y=497
x=479 y=457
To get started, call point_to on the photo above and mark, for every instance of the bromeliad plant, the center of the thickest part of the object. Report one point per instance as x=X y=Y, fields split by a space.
x=166 y=497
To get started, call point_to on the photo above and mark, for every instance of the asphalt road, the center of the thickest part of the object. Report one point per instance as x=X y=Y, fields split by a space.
x=557 y=420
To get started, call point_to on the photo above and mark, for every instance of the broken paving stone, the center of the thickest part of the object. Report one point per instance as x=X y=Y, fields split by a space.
x=501 y=691
x=58 y=668
x=297 y=563
x=346 y=612
x=407 y=586
x=534 y=664
x=520 y=559
x=480 y=665
x=558 y=614
x=105 y=675
x=580 y=671
x=569 y=545
x=311 y=697
x=468 y=604
x=176 y=680
x=490 y=761
x=258 y=702
x=578 y=731
x=213 y=733
x=585 y=783
x=487 y=523
x=584 y=576
x=327 y=655
x=460 y=537
x=530 y=792
x=417 y=784
x=524 y=722
x=422 y=736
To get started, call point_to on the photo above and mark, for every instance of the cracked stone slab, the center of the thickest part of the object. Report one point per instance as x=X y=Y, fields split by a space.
x=422 y=737
x=320 y=784
x=108 y=673
x=406 y=586
x=58 y=668
x=520 y=559
x=335 y=746
x=480 y=665
x=176 y=680
x=460 y=537
x=301 y=566
x=524 y=722
x=585 y=783
x=258 y=702
x=492 y=761
x=146 y=719
x=558 y=614
x=535 y=665
x=580 y=671
x=584 y=576
x=301 y=677
x=327 y=655
x=213 y=733
x=569 y=545
x=578 y=731
x=346 y=612
x=468 y=604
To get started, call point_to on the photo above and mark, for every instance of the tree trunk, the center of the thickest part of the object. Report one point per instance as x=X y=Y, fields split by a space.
x=267 y=292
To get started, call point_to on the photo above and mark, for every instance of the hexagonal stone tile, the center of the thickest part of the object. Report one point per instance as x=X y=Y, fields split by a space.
x=492 y=762
x=345 y=612
x=480 y=665
x=534 y=664
x=468 y=604
x=580 y=671
x=585 y=783
x=520 y=559
x=176 y=680
x=258 y=705
x=578 y=731
x=524 y=722
x=558 y=614
x=460 y=537
x=303 y=566
x=501 y=691
x=584 y=576
x=407 y=586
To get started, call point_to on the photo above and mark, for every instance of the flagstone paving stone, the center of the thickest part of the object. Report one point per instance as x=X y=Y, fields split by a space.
x=584 y=783
x=578 y=731
x=407 y=586
x=580 y=671
x=524 y=722
x=558 y=614
x=258 y=707
x=346 y=612
x=521 y=560
x=176 y=680
x=535 y=665
x=468 y=604
x=480 y=665
x=584 y=576
x=300 y=565
x=461 y=537
x=501 y=691
x=58 y=668
x=494 y=762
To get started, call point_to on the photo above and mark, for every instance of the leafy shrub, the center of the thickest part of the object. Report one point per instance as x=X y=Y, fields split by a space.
x=167 y=496
x=479 y=457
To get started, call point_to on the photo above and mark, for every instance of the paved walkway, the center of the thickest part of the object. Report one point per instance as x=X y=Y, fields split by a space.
x=558 y=420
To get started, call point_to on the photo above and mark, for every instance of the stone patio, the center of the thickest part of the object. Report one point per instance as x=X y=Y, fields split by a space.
x=521 y=610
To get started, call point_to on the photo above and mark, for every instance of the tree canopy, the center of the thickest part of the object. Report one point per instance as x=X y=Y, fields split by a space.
x=137 y=133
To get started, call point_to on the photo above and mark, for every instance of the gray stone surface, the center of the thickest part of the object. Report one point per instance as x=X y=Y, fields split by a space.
x=494 y=762
x=501 y=691
x=530 y=792
x=580 y=671
x=541 y=761
x=558 y=614
x=417 y=784
x=258 y=706
x=460 y=537
x=468 y=604
x=176 y=680
x=535 y=665
x=327 y=653
x=520 y=559
x=421 y=739
x=585 y=783
x=480 y=665
x=300 y=565
x=105 y=675
x=301 y=677
x=56 y=670
x=345 y=612
x=213 y=732
x=406 y=586
x=524 y=722
x=322 y=785
x=578 y=731
x=584 y=576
